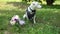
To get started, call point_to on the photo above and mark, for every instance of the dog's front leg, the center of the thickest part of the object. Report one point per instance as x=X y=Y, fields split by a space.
x=34 y=19
x=25 y=16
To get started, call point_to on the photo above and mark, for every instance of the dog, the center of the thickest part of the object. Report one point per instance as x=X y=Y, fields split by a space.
x=16 y=19
x=31 y=11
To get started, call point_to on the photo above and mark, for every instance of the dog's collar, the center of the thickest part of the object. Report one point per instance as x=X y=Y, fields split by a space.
x=32 y=10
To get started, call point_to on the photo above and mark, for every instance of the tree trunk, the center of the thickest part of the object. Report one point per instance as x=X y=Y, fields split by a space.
x=49 y=2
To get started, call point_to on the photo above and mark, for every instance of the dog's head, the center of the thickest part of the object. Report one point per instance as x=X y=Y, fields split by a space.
x=35 y=5
x=14 y=19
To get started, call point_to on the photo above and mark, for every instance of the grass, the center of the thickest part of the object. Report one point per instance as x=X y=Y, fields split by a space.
x=48 y=19
x=10 y=0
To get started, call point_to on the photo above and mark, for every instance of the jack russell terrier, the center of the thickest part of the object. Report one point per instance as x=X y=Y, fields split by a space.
x=31 y=11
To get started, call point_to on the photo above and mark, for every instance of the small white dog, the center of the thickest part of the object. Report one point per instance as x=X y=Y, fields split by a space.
x=15 y=19
x=31 y=11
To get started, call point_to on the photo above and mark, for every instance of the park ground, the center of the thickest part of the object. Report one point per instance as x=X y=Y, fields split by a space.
x=47 y=18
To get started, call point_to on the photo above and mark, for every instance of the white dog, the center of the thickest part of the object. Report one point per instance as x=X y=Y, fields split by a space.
x=31 y=11
x=15 y=19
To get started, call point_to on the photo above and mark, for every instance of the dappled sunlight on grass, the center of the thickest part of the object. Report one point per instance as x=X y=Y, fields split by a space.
x=47 y=20
x=7 y=7
x=10 y=0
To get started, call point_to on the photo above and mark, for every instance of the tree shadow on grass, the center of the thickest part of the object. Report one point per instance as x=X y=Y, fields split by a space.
x=51 y=7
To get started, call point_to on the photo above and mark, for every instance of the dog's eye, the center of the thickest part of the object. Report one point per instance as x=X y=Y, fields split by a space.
x=33 y=4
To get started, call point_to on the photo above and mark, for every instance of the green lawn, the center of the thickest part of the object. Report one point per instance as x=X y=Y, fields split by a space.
x=47 y=18
x=10 y=0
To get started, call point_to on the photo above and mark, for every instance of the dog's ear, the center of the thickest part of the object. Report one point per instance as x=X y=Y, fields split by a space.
x=34 y=3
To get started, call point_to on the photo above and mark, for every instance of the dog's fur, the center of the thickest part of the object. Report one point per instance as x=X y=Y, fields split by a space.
x=31 y=11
